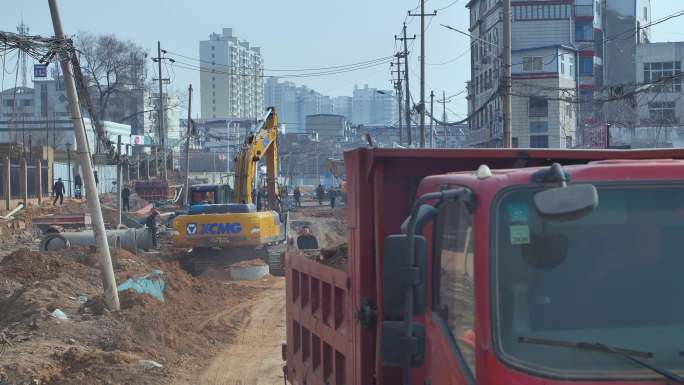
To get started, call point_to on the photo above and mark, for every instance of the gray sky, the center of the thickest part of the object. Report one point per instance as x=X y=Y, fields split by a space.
x=293 y=34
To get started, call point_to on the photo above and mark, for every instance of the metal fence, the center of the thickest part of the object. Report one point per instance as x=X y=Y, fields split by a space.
x=31 y=180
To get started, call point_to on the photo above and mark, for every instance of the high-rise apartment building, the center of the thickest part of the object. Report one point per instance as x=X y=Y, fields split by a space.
x=231 y=83
x=374 y=106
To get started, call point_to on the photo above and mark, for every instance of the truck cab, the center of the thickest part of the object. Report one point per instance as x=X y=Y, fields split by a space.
x=529 y=267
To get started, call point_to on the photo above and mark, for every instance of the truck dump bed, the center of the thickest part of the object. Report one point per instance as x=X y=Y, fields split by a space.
x=332 y=333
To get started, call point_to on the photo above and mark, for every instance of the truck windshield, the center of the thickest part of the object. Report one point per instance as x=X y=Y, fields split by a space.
x=613 y=277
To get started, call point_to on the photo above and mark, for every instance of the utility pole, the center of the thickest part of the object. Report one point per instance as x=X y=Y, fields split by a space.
x=422 y=15
x=507 y=81
x=119 y=209
x=444 y=119
x=68 y=151
x=162 y=133
x=397 y=87
x=432 y=131
x=187 y=149
x=111 y=296
x=407 y=92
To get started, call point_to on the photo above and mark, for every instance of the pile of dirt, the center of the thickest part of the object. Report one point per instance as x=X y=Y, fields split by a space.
x=335 y=257
x=97 y=346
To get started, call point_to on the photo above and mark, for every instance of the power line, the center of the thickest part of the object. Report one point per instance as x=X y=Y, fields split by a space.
x=343 y=66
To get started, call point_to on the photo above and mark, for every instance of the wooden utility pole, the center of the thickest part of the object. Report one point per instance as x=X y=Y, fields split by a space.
x=187 y=149
x=407 y=92
x=162 y=132
x=507 y=81
x=422 y=15
x=111 y=296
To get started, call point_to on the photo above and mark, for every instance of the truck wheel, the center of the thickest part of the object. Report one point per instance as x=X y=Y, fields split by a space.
x=275 y=264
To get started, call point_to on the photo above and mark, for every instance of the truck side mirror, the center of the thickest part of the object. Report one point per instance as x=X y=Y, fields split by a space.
x=398 y=350
x=398 y=275
x=566 y=202
x=425 y=215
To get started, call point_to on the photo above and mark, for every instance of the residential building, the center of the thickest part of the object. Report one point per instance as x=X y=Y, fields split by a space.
x=231 y=83
x=374 y=106
x=544 y=65
x=40 y=117
x=626 y=26
x=342 y=105
x=294 y=103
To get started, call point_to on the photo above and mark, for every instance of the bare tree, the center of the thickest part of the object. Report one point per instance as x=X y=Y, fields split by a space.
x=112 y=67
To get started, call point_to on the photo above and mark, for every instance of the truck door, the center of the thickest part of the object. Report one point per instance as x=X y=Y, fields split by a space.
x=451 y=324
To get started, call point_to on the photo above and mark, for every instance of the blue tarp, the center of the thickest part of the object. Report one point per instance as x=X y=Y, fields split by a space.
x=152 y=284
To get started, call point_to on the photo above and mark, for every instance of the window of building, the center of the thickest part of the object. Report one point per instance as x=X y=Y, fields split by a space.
x=662 y=112
x=514 y=142
x=455 y=302
x=539 y=141
x=568 y=107
x=646 y=13
x=213 y=56
x=665 y=74
x=213 y=48
x=538 y=107
x=539 y=127
x=533 y=64
x=213 y=101
x=586 y=65
x=568 y=142
x=562 y=68
x=9 y=103
x=213 y=86
x=584 y=30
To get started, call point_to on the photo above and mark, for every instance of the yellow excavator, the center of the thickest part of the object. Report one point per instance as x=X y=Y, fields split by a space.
x=224 y=228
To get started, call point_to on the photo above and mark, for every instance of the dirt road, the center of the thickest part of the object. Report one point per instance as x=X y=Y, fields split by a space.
x=255 y=356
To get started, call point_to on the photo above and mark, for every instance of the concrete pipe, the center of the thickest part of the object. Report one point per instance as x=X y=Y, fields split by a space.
x=129 y=239
x=53 y=241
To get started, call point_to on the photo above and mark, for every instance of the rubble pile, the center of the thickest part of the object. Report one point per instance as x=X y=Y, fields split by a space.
x=55 y=329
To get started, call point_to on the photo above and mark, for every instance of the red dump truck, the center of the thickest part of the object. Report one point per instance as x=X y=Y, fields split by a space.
x=497 y=267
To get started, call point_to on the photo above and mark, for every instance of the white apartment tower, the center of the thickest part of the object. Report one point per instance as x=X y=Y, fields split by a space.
x=231 y=81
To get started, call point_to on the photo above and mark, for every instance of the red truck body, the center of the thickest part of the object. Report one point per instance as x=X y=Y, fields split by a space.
x=332 y=340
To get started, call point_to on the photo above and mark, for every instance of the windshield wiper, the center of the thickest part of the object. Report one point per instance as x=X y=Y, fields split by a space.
x=627 y=354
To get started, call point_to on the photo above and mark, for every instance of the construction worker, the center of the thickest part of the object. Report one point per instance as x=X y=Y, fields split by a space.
x=151 y=224
x=125 y=198
x=58 y=192
x=297 y=196
x=307 y=241
x=78 y=186
x=332 y=194
x=320 y=193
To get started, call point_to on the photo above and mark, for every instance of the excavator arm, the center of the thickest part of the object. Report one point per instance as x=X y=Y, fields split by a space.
x=262 y=144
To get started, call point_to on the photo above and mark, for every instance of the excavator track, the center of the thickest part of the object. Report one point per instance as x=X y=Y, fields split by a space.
x=274 y=259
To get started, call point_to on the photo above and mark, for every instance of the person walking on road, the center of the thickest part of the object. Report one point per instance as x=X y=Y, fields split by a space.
x=78 y=187
x=320 y=194
x=332 y=194
x=126 y=198
x=58 y=192
x=297 y=197
x=151 y=224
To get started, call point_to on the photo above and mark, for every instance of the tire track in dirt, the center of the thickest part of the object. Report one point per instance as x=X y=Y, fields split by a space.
x=254 y=357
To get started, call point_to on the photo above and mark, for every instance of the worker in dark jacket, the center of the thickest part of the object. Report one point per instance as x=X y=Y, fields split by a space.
x=78 y=186
x=151 y=224
x=126 y=198
x=307 y=241
x=297 y=196
x=320 y=194
x=58 y=192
